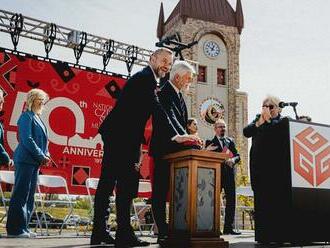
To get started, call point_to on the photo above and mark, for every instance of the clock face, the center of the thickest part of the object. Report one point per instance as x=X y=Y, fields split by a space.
x=211 y=49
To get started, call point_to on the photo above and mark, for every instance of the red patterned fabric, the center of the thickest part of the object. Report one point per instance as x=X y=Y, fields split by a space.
x=79 y=101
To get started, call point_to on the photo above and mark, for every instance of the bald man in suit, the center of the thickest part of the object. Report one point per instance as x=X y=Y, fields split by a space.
x=226 y=144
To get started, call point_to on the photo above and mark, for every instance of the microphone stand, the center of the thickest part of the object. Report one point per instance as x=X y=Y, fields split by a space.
x=295 y=111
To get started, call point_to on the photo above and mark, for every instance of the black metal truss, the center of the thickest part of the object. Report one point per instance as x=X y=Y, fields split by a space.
x=22 y=26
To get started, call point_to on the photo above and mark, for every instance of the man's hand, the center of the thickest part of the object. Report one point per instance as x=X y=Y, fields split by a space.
x=211 y=147
x=188 y=137
x=137 y=166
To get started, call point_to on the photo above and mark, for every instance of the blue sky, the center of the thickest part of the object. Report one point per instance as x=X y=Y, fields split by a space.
x=285 y=48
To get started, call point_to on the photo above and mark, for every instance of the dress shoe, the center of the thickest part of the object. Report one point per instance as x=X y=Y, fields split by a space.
x=138 y=242
x=231 y=232
x=98 y=240
x=264 y=243
x=161 y=238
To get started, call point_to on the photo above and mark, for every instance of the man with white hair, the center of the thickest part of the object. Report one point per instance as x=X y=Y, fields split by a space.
x=162 y=143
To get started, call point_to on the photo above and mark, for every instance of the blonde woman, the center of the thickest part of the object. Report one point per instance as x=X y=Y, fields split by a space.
x=30 y=154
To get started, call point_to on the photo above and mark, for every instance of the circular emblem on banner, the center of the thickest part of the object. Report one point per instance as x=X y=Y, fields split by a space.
x=211 y=110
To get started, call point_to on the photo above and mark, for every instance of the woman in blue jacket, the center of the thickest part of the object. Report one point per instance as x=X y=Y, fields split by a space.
x=30 y=154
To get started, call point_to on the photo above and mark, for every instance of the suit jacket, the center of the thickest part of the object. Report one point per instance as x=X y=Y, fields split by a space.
x=229 y=143
x=33 y=139
x=161 y=143
x=124 y=126
x=252 y=131
x=4 y=157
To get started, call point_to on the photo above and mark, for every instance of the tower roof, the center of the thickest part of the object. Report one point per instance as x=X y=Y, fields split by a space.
x=160 y=26
x=217 y=11
x=239 y=16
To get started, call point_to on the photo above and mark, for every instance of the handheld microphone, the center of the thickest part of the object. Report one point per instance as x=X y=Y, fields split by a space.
x=284 y=104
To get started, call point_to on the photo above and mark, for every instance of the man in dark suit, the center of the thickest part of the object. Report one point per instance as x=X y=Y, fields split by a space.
x=227 y=145
x=162 y=142
x=122 y=133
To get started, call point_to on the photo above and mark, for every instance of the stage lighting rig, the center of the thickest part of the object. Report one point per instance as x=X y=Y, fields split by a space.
x=16 y=27
x=77 y=41
x=50 y=36
x=131 y=55
x=109 y=46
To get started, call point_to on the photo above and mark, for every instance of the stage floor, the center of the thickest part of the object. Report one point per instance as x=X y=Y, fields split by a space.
x=70 y=240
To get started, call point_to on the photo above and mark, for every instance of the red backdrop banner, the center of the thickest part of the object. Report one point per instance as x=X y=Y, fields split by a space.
x=79 y=101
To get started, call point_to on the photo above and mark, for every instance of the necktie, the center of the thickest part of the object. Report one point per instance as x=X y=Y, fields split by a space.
x=222 y=142
x=182 y=104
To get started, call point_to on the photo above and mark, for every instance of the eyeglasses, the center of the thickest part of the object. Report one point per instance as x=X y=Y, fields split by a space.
x=269 y=106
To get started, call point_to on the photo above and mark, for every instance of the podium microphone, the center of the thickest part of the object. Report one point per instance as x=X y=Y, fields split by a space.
x=292 y=104
x=284 y=104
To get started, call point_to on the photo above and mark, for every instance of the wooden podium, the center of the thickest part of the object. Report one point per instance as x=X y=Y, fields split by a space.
x=195 y=199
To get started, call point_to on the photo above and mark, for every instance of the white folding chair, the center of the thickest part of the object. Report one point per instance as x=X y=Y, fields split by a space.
x=140 y=207
x=92 y=183
x=9 y=178
x=51 y=181
x=247 y=192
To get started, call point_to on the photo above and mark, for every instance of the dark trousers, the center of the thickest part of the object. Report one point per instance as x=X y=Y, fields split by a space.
x=22 y=200
x=104 y=190
x=116 y=171
x=258 y=215
x=159 y=194
x=228 y=184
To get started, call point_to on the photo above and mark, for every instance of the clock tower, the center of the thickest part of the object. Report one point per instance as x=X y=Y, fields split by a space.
x=217 y=28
